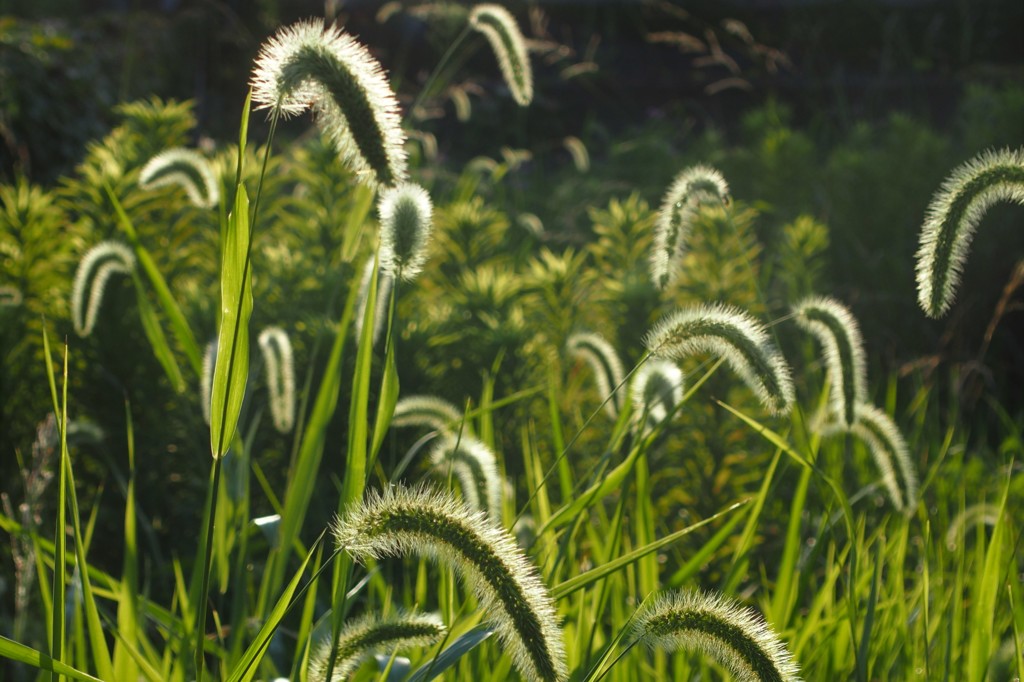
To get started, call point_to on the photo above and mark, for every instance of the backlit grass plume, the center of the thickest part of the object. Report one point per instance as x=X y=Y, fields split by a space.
x=277 y=357
x=405 y=226
x=733 y=635
x=954 y=214
x=186 y=168
x=362 y=637
x=886 y=444
x=837 y=331
x=475 y=466
x=692 y=187
x=657 y=389
x=206 y=380
x=604 y=362
x=512 y=597
x=509 y=46
x=94 y=271
x=427 y=410
x=730 y=333
x=310 y=64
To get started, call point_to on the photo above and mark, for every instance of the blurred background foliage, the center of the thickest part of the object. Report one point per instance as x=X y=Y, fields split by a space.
x=832 y=121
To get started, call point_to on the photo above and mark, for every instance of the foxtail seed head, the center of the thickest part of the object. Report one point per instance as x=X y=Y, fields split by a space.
x=405 y=223
x=952 y=217
x=94 y=271
x=509 y=46
x=691 y=188
x=604 y=362
x=430 y=411
x=728 y=332
x=309 y=63
x=735 y=636
x=886 y=444
x=837 y=331
x=657 y=389
x=401 y=521
x=186 y=168
x=206 y=381
x=363 y=636
x=477 y=470
x=277 y=356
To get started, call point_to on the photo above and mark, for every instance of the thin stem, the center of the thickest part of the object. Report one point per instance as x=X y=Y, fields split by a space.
x=207 y=563
x=445 y=58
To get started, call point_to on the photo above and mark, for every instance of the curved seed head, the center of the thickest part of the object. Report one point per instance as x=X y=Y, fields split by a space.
x=836 y=330
x=206 y=381
x=886 y=444
x=657 y=389
x=692 y=187
x=277 y=356
x=954 y=214
x=509 y=46
x=405 y=224
x=401 y=521
x=604 y=362
x=186 y=168
x=94 y=271
x=736 y=637
x=363 y=636
x=310 y=64
x=430 y=411
x=730 y=333
x=477 y=470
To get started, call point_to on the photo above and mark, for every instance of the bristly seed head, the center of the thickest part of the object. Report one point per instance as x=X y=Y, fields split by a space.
x=405 y=223
x=310 y=64
x=657 y=389
x=735 y=636
x=728 y=332
x=277 y=357
x=836 y=330
x=886 y=443
x=604 y=362
x=186 y=168
x=94 y=271
x=401 y=521
x=509 y=47
x=476 y=467
x=431 y=411
x=952 y=217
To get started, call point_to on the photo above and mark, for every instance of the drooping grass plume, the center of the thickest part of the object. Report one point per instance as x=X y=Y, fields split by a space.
x=952 y=217
x=511 y=595
x=405 y=226
x=94 y=271
x=886 y=443
x=656 y=390
x=733 y=334
x=277 y=357
x=509 y=46
x=427 y=410
x=186 y=168
x=604 y=361
x=692 y=187
x=206 y=381
x=477 y=470
x=735 y=636
x=310 y=64
x=362 y=637
x=380 y=314
x=838 y=333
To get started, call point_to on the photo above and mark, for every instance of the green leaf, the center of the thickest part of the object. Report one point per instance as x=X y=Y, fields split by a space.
x=356 y=457
x=232 y=368
x=155 y=334
x=25 y=654
x=57 y=612
x=386 y=404
x=450 y=656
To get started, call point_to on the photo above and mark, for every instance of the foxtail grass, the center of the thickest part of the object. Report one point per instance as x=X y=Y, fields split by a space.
x=362 y=637
x=94 y=272
x=656 y=390
x=310 y=64
x=836 y=330
x=186 y=168
x=886 y=443
x=476 y=467
x=427 y=410
x=604 y=362
x=952 y=217
x=509 y=46
x=512 y=597
x=405 y=226
x=730 y=333
x=277 y=358
x=735 y=636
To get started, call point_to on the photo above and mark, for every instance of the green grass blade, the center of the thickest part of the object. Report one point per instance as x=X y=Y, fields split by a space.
x=986 y=591
x=740 y=559
x=695 y=562
x=386 y=403
x=24 y=654
x=869 y=618
x=358 y=416
x=179 y=325
x=232 y=368
x=59 y=591
x=125 y=667
x=155 y=335
x=578 y=582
